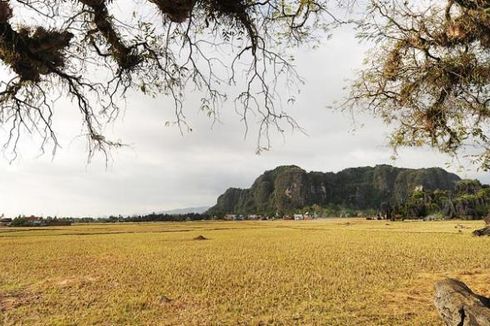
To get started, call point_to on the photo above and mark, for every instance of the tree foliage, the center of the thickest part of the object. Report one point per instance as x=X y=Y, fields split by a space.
x=94 y=51
x=429 y=73
x=469 y=200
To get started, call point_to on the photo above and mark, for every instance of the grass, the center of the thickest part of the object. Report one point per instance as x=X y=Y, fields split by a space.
x=325 y=272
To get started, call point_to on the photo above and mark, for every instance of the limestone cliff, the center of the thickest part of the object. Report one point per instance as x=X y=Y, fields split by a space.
x=288 y=188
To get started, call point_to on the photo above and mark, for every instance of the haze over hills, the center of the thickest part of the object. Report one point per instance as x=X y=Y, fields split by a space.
x=186 y=210
x=288 y=188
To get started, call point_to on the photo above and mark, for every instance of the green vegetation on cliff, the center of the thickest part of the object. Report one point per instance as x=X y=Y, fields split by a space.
x=288 y=189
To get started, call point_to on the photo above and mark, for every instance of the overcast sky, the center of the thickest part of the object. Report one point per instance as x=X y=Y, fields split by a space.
x=162 y=169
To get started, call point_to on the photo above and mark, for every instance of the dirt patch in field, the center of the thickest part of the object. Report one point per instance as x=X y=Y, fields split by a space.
x=182 y=305
x=200 y=238
x=75 y=281
x=12 y=300
x=164 y=300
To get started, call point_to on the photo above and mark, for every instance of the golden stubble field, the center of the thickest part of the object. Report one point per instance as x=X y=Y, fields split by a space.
x=324 y=272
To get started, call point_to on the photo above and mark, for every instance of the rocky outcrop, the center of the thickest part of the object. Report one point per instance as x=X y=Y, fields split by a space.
x=471 y=199
x=459 y=306
x=482 y=232
x=288 y=188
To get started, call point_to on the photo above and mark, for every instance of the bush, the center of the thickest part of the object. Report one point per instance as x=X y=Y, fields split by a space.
x=19 y=222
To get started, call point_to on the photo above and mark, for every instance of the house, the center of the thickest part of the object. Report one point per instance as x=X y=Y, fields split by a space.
x=230 y=217
x=309 y=216
x=5 y=221
x=35 y=220
x=298 y=217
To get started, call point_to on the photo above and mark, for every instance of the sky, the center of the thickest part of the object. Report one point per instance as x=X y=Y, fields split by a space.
x=162 y=169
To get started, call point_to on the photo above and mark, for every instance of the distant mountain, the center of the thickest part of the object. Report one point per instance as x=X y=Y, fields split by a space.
x=288 y=188
x=188 y=210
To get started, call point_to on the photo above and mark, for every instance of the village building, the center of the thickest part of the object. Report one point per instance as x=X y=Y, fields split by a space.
x=308 y=216
x=4 y=221
x=35 y=220
x=234 y=217
x=230 y=217
x=298 y=217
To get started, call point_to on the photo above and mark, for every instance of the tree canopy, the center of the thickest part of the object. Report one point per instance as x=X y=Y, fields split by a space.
x=94 y=51
x=429 y=73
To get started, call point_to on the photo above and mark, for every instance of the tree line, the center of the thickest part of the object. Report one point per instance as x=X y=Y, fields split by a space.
x=32 y=221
